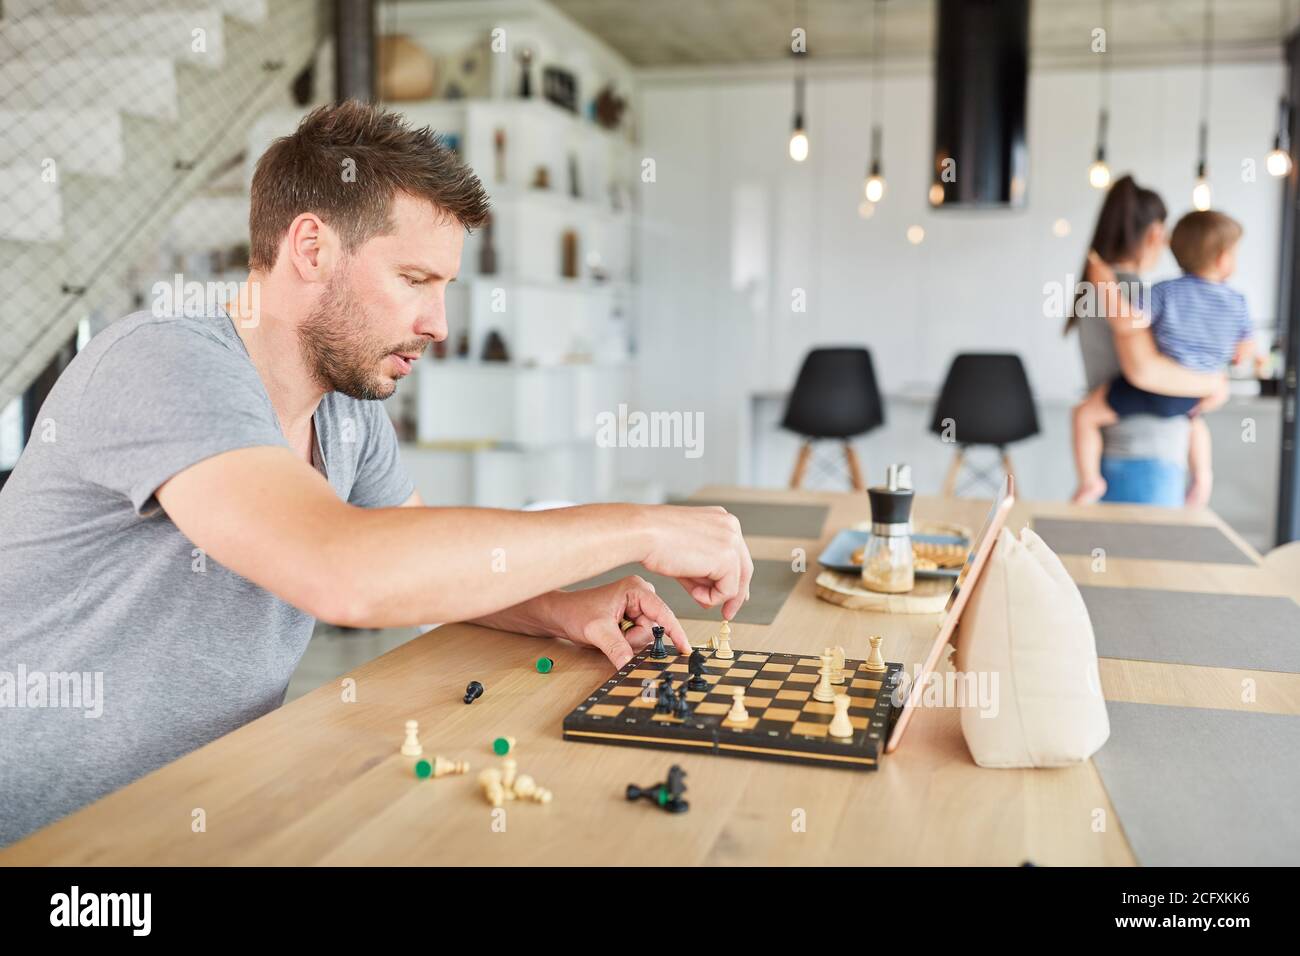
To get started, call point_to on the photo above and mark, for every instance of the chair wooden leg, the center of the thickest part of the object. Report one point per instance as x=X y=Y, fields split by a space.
x=1007 y=468
x=855 y=472
x=954 y=471
x=801 y=465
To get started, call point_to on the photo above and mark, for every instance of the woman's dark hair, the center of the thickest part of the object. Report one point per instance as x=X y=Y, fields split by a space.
x=1127 y=213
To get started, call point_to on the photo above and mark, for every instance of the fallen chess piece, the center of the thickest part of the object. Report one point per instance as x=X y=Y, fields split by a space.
x=503 y=745
x=527 y=789
x=439 y=767
x=545 y=665
x=506 y=783
x=473 y=692
x=667 y=796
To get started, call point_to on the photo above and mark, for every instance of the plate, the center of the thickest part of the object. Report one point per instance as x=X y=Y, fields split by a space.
x=838 y=555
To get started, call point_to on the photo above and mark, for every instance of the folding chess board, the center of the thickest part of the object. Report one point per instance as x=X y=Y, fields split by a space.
x=785 y=722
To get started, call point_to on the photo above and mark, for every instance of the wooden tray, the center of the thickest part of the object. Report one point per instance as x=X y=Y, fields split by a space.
x=927 y=597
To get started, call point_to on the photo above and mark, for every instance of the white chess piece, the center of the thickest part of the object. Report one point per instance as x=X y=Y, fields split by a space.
x=724 y=651
x=824 y=691
x=841 y=726
x=738 y=714
x=837 y=666
x=875 y=662
x=411 y=745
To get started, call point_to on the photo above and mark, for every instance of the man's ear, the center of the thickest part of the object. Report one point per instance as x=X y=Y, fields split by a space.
x=310 y=247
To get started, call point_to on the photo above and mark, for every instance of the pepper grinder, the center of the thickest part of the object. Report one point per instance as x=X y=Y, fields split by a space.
x=887 y=563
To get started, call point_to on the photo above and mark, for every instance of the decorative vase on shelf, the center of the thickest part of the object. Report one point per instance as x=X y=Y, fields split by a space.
x=525 y=74
x=494 y=349
x=569 y=254
x=487 y=254
x=499 y=151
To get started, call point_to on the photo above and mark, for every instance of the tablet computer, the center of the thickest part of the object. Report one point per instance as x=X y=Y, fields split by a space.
x=967 y=581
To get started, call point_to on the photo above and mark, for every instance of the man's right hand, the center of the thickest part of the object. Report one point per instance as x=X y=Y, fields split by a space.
x=704 y=550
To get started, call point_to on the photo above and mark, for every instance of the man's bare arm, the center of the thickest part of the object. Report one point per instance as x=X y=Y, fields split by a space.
x=272 y=519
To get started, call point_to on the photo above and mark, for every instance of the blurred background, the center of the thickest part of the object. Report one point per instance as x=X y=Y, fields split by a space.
x=688 y=198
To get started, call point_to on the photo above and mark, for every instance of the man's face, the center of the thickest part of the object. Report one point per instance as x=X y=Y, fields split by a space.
x=384 y=304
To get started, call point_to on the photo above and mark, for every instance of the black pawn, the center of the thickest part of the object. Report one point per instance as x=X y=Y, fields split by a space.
x=667 y=698
x=473 y=692
x=658 y=651
x=696 y=664
x=683 y=709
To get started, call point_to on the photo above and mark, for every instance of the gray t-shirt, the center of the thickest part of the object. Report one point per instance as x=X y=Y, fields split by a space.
x=123 y=647
x=1135 y=436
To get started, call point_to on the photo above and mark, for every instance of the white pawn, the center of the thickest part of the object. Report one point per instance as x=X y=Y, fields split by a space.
x=875 y=662
x=824 y=691
x=443 y=767
x=837 y=666
x=724 y=651
x=841 y=726
x=509 y=767
x=738 y=714
x=411 y=745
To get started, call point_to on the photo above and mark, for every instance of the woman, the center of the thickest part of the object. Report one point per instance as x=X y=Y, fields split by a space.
x=1145 y=458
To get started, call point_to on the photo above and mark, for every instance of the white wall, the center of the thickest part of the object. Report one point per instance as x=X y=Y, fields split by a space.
x=731 y=226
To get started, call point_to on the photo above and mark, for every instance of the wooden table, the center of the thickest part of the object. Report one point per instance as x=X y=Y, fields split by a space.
x=321 y=781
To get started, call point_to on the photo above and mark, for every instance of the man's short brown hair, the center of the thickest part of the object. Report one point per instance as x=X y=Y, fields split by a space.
x=345 y=163
x=1201 y=237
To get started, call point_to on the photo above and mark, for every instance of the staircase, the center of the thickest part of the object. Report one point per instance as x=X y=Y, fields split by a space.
x=113 y=113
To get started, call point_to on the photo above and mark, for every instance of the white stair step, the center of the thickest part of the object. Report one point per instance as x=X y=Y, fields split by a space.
x=172 y=35
x=250 y=11
x=145 y=86
x=79 y=141
x=209 y=222
x=31 y=210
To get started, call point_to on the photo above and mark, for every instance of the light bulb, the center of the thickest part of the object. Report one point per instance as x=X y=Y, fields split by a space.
x=915 y=235
x=1201 y=194
x=936 y=194
x=1278 y=162
x=875 y=188
x=1099 y=174
x=798 y=145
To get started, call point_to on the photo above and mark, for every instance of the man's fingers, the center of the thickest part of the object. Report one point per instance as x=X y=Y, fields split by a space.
x=605 y=635
x=650 y=605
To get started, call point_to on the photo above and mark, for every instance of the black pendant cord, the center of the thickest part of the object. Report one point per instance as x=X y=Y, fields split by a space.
x=1103 y=117
x=876 y=115
x=1204 y=133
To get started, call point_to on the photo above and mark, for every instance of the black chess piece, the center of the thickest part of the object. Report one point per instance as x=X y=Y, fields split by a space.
x=696 y=664
x=683 y=708
x=473 y=692
x=667 y=698
x=667 y=796
x=658 y=652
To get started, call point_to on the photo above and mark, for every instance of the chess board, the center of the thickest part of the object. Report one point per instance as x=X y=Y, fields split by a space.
x=785 y=722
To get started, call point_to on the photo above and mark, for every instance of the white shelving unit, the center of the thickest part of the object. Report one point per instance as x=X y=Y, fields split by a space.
x=505 y=434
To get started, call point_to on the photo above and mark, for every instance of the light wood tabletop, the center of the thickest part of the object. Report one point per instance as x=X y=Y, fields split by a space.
x=321 y=781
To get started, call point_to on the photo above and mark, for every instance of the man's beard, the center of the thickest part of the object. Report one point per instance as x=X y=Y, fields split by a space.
x=339 y=352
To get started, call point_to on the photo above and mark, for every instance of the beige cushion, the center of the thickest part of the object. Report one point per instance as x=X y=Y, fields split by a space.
x=1025 y=633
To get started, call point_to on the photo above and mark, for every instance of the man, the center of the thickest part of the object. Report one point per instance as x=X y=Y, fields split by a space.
x=211 y=484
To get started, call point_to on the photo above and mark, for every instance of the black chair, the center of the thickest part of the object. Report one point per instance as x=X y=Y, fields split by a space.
x=834 y=397
x=985 y=401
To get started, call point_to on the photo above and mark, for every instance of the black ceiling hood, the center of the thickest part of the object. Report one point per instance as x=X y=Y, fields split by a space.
x=981 y=68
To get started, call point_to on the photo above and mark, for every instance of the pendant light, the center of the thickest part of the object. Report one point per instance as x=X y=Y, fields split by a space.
x=874 y=187
x=1279 y=160
x=1202 y=196
x=1099 y=171
x=799 y=135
